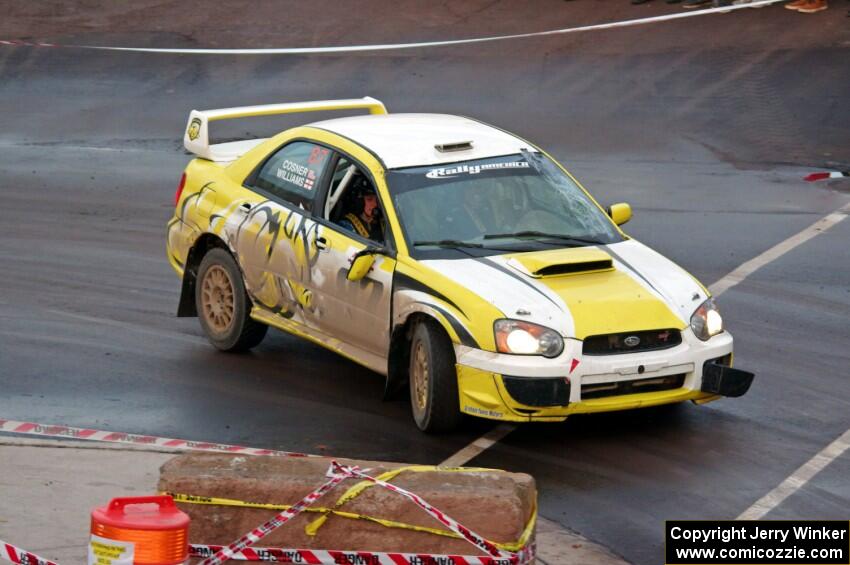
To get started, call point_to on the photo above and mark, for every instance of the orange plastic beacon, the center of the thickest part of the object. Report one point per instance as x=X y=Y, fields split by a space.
x=141 y=530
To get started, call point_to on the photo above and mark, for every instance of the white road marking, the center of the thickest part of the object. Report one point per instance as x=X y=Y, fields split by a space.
x=129 y=326
x=778 y=250
x=397 y=46
x=478 y=446
x=735 y=277
x=797 y=479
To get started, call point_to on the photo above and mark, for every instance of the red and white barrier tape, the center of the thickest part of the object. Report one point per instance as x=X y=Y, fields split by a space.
x=25 y=43
x=338 y=473
x=312 y=556
x=396 y=46
x=30 y=428
x=328 y=557
x=241 y=548
x=826 y=175
x=278 y=520
x=17 y=555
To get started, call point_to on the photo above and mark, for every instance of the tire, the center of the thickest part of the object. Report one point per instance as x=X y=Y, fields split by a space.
x=223 y=305
x=433 y=379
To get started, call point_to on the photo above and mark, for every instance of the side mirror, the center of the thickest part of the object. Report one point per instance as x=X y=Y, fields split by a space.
x=361 y=264
x=620 y=213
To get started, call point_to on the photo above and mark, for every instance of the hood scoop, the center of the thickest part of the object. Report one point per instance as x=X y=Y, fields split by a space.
x=561 y=262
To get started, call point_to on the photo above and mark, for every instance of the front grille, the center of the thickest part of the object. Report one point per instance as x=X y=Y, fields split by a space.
x=654 y=384
x=613 y=344
x=533 y=391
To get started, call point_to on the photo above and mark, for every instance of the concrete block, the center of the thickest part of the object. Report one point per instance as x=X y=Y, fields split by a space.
x=497 y=505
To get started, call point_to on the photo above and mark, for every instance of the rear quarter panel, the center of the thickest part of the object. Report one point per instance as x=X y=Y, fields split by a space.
x=209 y=195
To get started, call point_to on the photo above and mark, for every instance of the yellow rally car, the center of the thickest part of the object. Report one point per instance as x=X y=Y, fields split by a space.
x=443 y=252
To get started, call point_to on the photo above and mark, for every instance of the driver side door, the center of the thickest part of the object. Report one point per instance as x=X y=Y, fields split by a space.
x=355 y=312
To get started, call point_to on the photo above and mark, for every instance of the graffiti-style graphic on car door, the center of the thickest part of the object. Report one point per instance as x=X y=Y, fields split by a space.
x=276 y=249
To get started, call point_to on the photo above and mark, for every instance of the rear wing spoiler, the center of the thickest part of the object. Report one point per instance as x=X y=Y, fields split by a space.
x=197 y=136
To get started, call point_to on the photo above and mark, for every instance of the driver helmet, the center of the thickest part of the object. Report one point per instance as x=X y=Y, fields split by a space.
x=356 y=194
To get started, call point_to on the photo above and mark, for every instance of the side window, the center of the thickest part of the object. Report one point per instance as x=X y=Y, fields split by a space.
x=294 y=173
x=352 y=202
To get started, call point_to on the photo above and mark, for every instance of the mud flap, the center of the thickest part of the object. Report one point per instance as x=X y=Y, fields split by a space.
x=397 y=365
x=725 y=380
x=186 y=308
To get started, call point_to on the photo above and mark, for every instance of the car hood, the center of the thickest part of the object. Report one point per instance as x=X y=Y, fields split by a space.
x=583 y=291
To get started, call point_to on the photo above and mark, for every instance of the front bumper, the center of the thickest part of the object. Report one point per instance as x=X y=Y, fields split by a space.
x=532 y=388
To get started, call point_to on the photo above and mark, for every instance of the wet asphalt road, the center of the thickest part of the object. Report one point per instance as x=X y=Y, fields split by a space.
x=707 y=141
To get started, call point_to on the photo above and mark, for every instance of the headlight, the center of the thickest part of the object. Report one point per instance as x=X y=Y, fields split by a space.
x=523 y=338
x=706 y=321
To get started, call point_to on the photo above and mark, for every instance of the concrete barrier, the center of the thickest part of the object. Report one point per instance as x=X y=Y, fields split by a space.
x=495 y=504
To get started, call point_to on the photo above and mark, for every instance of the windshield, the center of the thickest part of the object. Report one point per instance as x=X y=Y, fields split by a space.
x=519 y=202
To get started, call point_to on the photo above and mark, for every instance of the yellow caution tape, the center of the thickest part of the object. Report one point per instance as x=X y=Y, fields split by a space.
x=214 y=501
x=313 y=528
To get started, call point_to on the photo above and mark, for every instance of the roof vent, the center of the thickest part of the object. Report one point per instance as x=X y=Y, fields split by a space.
x=453 y=146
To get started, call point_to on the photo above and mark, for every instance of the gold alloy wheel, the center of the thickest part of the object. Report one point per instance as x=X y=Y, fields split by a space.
x=421 y=375
x=217 y=299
